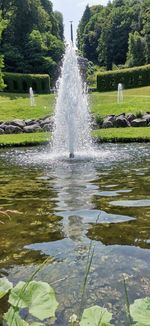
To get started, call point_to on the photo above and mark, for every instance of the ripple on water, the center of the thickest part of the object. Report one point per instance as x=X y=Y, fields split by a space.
x=132 y=203
x=112 y=193
x=91 y=216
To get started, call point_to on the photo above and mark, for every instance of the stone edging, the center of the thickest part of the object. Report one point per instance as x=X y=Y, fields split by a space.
x=122 y=120
x=46 y=124
x=26 y=126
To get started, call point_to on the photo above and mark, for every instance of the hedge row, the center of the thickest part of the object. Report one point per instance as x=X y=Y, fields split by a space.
x=130 y=78
x=20 y=83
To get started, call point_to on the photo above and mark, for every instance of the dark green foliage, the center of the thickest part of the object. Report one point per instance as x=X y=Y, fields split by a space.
x=1 y=75
x=145 y=16
x=103 y=32
x=130 y=78
x=3 y=25
x=20 y=83
x=136 y=51
x=33 y=40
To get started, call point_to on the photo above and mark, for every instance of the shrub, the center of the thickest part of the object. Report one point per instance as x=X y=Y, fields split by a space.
x=130 y=78
x=20 y=83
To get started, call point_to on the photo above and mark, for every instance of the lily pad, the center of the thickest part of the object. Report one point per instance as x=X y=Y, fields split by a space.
x=12 y=317
x=5 y=286
x=96 y=316
x=140 y=311
x=38 y=297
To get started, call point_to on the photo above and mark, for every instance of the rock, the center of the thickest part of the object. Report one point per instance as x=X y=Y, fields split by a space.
x=1 y=131
x=130 y=117
x=5 y=124
x=12 y=129
x=47 y=120
x=120 y=115
x=139 y=123
x=30 y=122
x=46 y=127
x=108 y=121
x=146 y=116
x=32 y=128
x=110 y=118
x=107 y=124
x=18 y=122
x=121 y=121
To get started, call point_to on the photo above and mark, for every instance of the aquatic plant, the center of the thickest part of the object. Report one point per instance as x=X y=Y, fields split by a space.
x=40 y=301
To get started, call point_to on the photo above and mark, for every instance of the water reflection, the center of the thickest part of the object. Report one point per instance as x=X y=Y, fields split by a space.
x=56 y=208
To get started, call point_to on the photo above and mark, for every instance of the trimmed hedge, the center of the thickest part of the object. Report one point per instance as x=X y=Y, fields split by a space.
x=20 y=83
x=130 y=78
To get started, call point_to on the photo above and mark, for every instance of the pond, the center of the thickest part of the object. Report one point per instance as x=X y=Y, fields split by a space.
x=55 y=208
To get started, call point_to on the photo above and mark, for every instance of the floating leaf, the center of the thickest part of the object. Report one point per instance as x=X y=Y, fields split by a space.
x=96 y=316
x=36 y=324
x=139 y=324
x=38 y=297
x=13 y=319
x=140 y=311
x=5 y=286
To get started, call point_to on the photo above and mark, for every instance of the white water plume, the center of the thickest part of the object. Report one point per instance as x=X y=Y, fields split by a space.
x=72 y=120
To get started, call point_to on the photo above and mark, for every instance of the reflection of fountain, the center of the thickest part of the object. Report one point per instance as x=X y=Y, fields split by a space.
x=74 y=196
x=32 y=99
x=120 y=93
x=71 y=133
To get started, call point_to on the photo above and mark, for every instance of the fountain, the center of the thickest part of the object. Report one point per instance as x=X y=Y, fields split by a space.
x=71 y=134
x=120 y=93
x=32 y=99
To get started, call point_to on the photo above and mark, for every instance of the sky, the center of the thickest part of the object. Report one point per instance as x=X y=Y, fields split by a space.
x=73 y=10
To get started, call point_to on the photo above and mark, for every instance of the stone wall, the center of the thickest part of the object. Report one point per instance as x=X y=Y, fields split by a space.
x=46 y=124
x=25 y=126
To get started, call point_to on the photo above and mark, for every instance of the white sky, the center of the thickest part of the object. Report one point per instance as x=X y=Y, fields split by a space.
x=73 y=10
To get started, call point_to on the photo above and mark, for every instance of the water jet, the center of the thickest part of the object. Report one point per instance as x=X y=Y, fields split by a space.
x=71 y=134
x=120 y=93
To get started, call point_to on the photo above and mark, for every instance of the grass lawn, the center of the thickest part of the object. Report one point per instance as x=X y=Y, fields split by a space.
x=135 y=100
x=112 y=134
x=24 y=139
x=123 y=134
x=17 y=106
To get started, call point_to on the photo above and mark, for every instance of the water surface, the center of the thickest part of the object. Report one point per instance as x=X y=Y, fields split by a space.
x=55 y=207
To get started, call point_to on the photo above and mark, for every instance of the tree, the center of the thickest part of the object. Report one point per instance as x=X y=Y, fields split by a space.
x=146 y=28
x=105 y=47
x=136 y=50
x=2 y=27
x=82 y=24
x=33 y=33
x=103 y=32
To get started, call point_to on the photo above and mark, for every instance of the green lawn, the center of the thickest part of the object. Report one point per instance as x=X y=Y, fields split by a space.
x=17 y=106
x=135 y=100
x=114 y=134
x=14 y=106
x=24 y=139
x=123 y=134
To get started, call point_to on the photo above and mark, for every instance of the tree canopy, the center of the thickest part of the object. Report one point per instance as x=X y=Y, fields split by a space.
x=3 y=25
x=33 y=41
x=105 y=34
